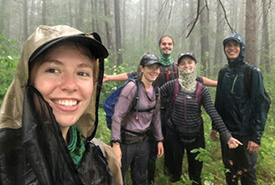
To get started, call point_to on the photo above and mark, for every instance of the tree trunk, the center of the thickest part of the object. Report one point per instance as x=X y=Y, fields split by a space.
x=241 y=18
x=124 y=22
x=145 y=20
x=118 y=32
x=70 y=13
x=250 y=32
x=204 y=20
x=108 y=28
x=81 y=7
x=191 y=37
x=265 y=38
x=25 y=26
x=44 y=12
x=219 y=38
x=160 y=19
x=3 y=15
x=140 y=22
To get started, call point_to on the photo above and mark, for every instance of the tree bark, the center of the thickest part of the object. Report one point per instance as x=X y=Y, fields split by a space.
x=265 y=38
x=3 y=15
x=204 y=20
x=219 y=38
x=79 y=22
x=250 y=32
x=25 y=26
x=118 y=32
x=145 y=20
x=44 y=12
x=108 y=28
x=191 y=37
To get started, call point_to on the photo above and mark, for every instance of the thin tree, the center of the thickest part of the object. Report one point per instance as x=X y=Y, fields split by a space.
x=219 y=36
x=204 y=22
x=118 y=32
x=145 y=19
x=44 y=12
x=25 y=20
x=192 y=37
x=265 y=37
x=81 y=6
x=2 y=17
x=108 y=28
x=250 y=31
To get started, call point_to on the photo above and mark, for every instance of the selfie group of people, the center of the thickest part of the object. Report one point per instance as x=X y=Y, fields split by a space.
x=49 y=115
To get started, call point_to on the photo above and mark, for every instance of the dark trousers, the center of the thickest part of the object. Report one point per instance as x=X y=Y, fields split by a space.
x=177 y=148
x=136 y=156
x=240 y=162
x=154 y=150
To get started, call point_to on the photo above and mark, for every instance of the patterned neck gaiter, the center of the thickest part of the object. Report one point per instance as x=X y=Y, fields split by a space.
x=76 y=146
x=187 y=79
x=166 y=59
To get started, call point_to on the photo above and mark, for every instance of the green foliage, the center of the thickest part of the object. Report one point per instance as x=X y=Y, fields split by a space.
x=7 y=69
x=7 y=47
x=8 y=63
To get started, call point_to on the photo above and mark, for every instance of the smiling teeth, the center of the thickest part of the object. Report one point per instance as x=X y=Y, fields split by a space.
x=67 y=103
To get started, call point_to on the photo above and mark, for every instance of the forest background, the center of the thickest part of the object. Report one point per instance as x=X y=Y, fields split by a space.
x=129 y=28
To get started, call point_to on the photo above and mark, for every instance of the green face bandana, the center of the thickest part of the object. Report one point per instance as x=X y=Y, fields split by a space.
x=166 y=59
x=76 y=146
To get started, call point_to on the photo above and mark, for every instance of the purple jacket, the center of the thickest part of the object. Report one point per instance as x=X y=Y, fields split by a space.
x=124 y=115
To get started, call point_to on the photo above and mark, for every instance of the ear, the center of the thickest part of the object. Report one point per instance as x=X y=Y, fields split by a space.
x=141 y=68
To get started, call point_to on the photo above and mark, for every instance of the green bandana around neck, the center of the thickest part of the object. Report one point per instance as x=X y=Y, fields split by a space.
x=76 y=146
x=166 y=59
x=187 y=79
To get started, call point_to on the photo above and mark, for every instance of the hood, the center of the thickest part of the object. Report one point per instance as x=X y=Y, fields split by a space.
x=237 y=37
x=12 y=106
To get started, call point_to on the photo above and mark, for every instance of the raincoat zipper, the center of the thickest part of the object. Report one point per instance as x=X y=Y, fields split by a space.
x=233 y=85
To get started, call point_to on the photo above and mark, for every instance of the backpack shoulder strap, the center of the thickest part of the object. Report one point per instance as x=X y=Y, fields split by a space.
x=176 y=69
x=136 y=103
x=247 y=77
x=175 y=94
x=198 y=92
x=221 y=74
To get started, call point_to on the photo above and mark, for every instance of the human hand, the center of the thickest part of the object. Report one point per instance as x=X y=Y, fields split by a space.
x=233 y=143
x=214 y=135
x=252 y=146
x=160 y=149
x=105 y=78
x=117 y=150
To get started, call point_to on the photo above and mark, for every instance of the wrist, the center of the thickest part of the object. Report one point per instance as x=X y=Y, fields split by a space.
x=115 y=142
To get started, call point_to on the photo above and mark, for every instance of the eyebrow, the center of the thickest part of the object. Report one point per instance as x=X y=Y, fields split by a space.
x=57 y=62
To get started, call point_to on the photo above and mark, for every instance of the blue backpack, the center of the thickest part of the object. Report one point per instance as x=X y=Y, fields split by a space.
x=110 y=102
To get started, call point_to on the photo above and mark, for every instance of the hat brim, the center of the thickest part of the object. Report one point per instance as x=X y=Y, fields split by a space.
x=151 y=62
x=186 y=55
x=97 y=49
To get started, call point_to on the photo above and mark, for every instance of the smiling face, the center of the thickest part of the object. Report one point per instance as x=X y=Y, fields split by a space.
x=166 y=45
x=65 y=78
x=150 y=73
x=232 y=49
x=187 y=64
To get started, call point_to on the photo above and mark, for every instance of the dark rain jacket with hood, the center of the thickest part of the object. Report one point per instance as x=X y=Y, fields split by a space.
x=32 y=149
x=243 y=114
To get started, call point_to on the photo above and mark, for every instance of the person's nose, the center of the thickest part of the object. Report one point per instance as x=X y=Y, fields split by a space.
x=69 y=83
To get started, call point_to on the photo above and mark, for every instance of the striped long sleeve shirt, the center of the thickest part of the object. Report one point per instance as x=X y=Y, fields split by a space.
x=186 y=116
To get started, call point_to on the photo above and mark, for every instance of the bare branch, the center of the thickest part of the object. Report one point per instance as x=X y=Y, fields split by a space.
x=196 y=19
x=225 y=16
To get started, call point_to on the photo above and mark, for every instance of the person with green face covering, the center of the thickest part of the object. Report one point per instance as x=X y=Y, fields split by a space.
x=168 y=71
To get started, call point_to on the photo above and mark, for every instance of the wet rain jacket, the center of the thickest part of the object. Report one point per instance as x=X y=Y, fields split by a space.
x=243 y=114
x=32 y=149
